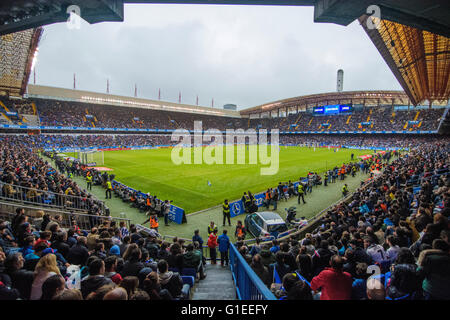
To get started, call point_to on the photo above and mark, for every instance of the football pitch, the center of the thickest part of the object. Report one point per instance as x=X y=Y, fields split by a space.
x=187 y=185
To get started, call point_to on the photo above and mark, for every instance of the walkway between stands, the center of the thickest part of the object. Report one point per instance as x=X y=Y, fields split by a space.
x=218 y=284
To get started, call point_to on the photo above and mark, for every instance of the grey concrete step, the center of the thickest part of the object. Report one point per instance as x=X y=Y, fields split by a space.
x=218 y=284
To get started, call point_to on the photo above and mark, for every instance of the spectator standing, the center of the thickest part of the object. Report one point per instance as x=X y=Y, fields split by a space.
x=334 y=283
x=224 y=245
x=226 y=212
x=212 y=244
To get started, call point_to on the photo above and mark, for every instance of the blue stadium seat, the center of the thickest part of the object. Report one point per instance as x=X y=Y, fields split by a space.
x=175 y=270
x=405 y=297
x=188 y=280
x=189 y=272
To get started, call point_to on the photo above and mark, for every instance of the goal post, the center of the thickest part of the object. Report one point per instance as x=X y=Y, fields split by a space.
x=91 y=158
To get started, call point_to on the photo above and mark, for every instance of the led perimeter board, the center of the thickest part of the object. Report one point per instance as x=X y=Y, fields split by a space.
x=332 y=109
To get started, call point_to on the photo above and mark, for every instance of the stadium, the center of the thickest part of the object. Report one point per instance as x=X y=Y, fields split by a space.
x=113 y=197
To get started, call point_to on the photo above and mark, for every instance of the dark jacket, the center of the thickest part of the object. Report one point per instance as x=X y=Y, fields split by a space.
x=264 y=274
x=321 y=260
x=404 y=280
x=152 y=249
x=78 y=255
x=22 y=281
x=172 y=282
x=123 y=247
x=290 y=260
x=305 y=267
x=92 y=283
x=163 y=254
x=198 y=239
x=131 y=268
x=350 y=267
x=192 y=259
x=282 y=269
x=175 y=261
x=62 y=248
x=435 y=269
x=360 y=255
x=7 y=293
x=267 y=257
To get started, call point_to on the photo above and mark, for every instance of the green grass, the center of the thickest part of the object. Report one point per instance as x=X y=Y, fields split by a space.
x=186 y=184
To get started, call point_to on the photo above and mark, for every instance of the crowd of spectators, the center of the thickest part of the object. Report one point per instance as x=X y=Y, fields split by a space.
x=361 y=140
x=62 y=113
x=108 y=262
x=55 y=141
x=49 y=141
x=25 y=176
x=399 y=223
x=78 y=114
x=367 y=119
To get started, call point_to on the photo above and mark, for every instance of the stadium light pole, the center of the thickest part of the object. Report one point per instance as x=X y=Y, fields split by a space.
x=159 y=94
x=74 y=82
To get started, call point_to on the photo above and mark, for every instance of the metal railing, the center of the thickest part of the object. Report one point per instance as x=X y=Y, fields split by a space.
x=84 y=221
x=44 y=198
x=248 y=285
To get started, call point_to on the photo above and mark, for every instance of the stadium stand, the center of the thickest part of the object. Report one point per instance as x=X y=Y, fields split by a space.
x=54 y=234
x=401 y=217
x=78 y=114
x=397 y=224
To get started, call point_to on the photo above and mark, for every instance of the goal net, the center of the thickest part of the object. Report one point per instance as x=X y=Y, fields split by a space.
x=91 y=158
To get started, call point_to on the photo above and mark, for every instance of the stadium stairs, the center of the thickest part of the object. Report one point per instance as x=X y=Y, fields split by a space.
x=218 y=284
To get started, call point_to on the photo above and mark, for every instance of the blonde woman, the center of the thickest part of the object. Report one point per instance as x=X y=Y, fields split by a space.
x=45 y=268
x=37 y=221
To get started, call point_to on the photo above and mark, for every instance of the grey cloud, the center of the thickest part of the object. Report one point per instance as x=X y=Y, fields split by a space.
x=242 y=55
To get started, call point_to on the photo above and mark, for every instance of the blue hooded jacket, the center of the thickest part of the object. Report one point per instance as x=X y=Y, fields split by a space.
x=224 y=242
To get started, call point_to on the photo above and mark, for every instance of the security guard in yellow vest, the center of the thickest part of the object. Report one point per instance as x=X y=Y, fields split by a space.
x=226 y=212
x=247 y=201
x=108 y=189
x=344 y=190
x=89 y=181
x=325 y=179
x=212 y=227
x=301 y=192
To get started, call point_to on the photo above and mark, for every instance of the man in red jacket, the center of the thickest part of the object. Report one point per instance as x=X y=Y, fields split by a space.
x=333 y=282
x=212 y=244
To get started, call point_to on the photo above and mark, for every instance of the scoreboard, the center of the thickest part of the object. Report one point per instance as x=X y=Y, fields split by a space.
x=332 y=109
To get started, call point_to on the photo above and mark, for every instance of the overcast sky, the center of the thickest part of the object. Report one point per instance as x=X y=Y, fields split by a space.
x=247 y=55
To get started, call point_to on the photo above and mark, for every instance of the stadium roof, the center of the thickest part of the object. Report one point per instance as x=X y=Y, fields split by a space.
x=433 y=16
x=368 y=98
x=16 y=57
x=420 y=60
x=53 y=93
